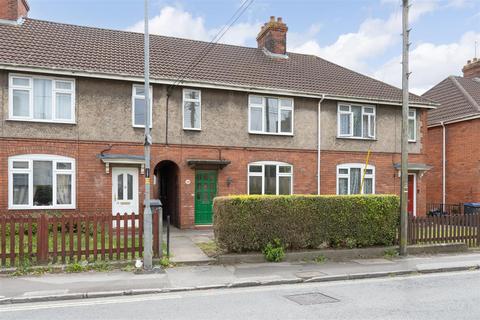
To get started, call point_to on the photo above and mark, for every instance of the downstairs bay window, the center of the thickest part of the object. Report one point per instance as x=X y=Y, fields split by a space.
x=41 y=182
x=355 y=178
x=274 y=178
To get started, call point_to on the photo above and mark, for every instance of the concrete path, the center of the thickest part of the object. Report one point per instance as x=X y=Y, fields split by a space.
x=95 y=284
x=183 y=246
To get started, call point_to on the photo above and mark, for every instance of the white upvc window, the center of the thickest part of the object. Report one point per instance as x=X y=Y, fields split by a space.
x=270 y=115
x=41 y=99
x=192 y=109
x=412 y=125
x=356 y=121
x=350 y=176
x=39 y=181
x=138 y=106
x=266 y=177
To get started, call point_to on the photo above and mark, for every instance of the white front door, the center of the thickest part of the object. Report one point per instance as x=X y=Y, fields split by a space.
x=124 y=190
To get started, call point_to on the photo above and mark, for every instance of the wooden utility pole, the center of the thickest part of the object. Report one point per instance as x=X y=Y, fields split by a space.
x=404 y=147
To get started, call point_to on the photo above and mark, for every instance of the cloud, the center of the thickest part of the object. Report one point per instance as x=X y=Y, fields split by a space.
x=374 y=36
x=430 y=63
x=193 y=27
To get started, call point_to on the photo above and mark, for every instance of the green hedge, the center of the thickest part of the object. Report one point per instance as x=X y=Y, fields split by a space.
x=248 y=223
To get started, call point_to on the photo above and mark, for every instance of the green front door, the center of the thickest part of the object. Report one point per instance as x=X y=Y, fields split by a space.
x=205 y=191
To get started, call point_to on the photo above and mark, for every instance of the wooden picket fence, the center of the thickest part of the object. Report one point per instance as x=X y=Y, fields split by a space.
x=72 y=237
x=445 y=229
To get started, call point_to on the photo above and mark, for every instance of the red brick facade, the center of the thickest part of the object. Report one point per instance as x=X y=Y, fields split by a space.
x=94 y=185
x=462 y=163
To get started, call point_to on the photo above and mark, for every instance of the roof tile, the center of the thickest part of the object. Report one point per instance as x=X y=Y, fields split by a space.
x=43 y=44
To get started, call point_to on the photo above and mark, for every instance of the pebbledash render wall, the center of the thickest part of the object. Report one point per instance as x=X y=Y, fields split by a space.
x=462 y=162
x=103 y=119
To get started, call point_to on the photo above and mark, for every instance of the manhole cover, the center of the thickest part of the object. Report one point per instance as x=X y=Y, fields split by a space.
x=311 y=298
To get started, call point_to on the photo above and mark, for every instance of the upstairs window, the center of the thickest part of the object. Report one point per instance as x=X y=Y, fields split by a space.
x=41 y=182
x=412 y=125
x=270 y=178
x=44 y=99
x=350 y=176
x=356 y=121
x=192 y=109
x=139 y=107
x=269 y=115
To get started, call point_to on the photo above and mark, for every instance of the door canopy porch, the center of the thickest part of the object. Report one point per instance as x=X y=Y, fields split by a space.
x=419 y=168
x=122 y=159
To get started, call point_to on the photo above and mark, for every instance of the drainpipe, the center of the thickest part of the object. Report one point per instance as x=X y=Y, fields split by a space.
x=319 y=127
x=443 y=163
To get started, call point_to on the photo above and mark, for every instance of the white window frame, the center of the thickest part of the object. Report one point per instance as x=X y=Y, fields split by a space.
x=262 y=174
x=135 y=96
x=360 y=166
x=40 y=157
x=414 y=118
x=371 y=136
x=199 y=100
x=279 y=120
x=30 y=117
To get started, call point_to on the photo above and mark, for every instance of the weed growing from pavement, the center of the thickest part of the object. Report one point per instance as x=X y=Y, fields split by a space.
x=390 y=253
x=320 y=259
x=274 y=251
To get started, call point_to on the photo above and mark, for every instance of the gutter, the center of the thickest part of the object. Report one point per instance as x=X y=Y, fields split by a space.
x=444 y=153
x=319 y=141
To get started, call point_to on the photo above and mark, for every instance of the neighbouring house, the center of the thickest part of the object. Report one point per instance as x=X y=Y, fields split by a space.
x=241 y=120
x=453 y=137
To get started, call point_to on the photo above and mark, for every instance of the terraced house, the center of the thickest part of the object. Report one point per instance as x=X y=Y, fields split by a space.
x=241 y=120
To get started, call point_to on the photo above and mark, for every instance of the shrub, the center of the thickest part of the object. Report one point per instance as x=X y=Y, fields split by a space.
x=248 y=223
x=274 y=251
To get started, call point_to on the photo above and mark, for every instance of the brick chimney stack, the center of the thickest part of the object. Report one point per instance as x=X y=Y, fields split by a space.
x=273 y=36
x=472 y=69
x=13 y=9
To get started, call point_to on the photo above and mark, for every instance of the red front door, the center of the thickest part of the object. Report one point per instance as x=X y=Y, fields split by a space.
x=411 y=194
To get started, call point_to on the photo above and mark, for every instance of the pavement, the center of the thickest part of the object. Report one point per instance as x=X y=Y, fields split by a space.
x=62 y=286
x=452 y=295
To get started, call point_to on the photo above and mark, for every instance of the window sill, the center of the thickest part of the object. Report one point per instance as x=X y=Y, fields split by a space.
x=41 y=208
x=357 y=138
x=271 y=134
x=192 y=129
x=140 y=127
x=42 y=121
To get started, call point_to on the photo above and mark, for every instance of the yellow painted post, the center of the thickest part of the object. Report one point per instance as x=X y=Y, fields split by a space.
x=365 y=170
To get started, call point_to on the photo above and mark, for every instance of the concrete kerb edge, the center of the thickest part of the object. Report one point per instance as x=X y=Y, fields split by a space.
x=240 y=284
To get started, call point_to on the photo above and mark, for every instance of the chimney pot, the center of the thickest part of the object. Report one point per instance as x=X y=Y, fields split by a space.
x=273 y=36
x=13 y=9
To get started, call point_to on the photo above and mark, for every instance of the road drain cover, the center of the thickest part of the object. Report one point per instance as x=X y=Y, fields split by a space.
x=311 y=298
